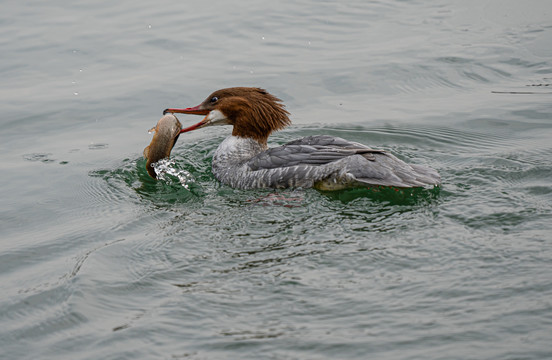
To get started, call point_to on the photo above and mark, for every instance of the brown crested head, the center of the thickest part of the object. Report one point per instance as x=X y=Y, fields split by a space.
x=253 y=112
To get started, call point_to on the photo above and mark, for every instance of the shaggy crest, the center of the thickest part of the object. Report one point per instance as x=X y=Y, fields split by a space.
x=253 y=112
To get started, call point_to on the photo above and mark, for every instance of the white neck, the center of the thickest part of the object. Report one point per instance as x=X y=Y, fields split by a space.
x=235 y=150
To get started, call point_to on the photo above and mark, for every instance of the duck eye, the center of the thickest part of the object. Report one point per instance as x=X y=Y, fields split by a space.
x=214 y=99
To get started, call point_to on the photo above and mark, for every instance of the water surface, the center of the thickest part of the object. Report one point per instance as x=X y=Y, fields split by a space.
x=98 y=261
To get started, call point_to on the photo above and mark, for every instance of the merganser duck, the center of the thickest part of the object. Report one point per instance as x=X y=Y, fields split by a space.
x=243 y=160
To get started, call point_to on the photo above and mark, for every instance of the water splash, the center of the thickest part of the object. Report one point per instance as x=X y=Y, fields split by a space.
x=165 y=167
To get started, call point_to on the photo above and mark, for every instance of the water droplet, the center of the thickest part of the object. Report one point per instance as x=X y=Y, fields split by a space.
x=80 y=70
x=262 y=38
x=149 y=26
x=166 y=167
x=76 y=93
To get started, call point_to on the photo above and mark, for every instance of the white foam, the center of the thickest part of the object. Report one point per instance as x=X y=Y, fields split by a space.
x=166 y=167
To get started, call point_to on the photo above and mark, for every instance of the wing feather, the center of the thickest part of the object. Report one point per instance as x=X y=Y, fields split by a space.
x=311 y=150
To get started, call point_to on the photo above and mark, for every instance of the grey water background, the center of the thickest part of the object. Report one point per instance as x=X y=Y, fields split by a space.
x=99 y=262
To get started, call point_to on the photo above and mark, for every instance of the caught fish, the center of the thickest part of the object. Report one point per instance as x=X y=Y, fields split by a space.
x=167 y=131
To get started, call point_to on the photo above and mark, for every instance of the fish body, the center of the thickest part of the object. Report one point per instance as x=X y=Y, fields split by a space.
x=166 y=133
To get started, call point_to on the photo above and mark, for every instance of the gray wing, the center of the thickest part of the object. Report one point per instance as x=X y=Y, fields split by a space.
x=311 y=150
x=331 y=159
